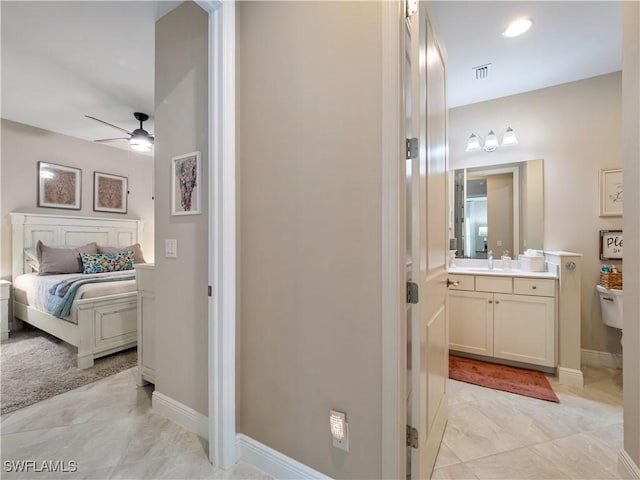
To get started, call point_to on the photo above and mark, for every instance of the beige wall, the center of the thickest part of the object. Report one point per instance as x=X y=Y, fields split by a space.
x=309 y=178
x=23 y=146
x=181 y=126
x=577 y=129
x=631 y=119
x=532 y=205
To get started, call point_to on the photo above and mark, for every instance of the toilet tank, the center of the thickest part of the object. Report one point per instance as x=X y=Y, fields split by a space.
x=610 y=306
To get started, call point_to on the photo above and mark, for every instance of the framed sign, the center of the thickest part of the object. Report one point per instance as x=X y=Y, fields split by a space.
x=185 y=184
x=59 y=186
x=611 y=192
x=610 y=244
x=109 y=193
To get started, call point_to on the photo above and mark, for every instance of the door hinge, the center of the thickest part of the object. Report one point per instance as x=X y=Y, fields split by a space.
x=412 y=148
x=209 y=290
x=412 y=292
x=412 y=437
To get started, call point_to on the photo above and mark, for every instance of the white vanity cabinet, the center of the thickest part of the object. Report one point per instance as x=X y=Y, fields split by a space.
x=504 y=317
x=146 y=323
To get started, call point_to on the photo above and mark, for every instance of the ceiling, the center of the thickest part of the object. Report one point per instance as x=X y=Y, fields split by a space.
x=569 y=41
x=62 y=60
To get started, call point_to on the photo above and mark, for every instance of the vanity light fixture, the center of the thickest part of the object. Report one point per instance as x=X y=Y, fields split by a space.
x=518 y=27
x=491 y=142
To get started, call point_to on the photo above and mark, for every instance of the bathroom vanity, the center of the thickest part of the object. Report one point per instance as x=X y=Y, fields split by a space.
x=504 y=314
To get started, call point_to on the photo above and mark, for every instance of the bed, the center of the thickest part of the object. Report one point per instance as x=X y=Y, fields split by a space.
x=97 y=325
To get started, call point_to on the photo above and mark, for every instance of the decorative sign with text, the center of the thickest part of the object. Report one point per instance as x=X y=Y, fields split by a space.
x=610 y=244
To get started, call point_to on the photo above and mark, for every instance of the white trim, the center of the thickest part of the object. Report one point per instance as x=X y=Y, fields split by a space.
x=180 y=413
x=570 y=376
x=393 y=245
x=627 y=467
x=222 y=227
x=273 y=462
x=595 y=358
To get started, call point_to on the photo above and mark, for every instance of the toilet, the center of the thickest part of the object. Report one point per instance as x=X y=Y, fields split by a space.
x=611 y=307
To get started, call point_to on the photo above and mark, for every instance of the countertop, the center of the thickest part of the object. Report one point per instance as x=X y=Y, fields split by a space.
x=498 y=272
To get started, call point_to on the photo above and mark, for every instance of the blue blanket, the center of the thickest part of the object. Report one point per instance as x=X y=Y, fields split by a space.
x=63 y=293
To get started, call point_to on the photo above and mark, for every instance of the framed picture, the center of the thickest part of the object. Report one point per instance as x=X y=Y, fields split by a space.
x=109 y=193
x=611 y=192
x=610 y=244
x=59 y=186
x=185 y=184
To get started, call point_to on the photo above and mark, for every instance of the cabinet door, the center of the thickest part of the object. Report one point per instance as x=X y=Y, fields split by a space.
x=471 y=322
x=146 y=335
x=524 y=329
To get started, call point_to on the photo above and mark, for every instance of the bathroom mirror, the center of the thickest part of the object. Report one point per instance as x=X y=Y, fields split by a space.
x=499 y=208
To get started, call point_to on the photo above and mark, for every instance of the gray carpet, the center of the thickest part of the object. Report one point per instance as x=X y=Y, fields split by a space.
x=36 y=366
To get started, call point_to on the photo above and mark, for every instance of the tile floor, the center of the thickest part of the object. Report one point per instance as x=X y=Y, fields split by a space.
x=494 y=435
x=107 y=427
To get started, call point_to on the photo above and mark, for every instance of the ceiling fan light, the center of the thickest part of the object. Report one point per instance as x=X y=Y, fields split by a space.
x=473 y=144
x=509 y=137
x=140 y=144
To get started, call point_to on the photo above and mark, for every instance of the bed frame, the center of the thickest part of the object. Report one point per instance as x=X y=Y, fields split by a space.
x=97 y=326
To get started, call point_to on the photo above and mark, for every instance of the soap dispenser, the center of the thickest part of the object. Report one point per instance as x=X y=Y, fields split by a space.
x=506 y=260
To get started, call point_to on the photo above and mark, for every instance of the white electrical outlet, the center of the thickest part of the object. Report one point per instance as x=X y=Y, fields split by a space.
x=499 y=243
x=171 y=248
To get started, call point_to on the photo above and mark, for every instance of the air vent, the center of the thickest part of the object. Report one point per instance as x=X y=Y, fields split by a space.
x=482 y=71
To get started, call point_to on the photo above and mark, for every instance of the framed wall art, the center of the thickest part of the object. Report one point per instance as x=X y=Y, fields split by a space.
x=59 y=186
x=610 y=244
x=109 y=193
x=185 y=184
x=611 y=192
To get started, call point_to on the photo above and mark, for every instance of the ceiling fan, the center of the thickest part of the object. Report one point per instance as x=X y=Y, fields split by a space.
x=139 y=140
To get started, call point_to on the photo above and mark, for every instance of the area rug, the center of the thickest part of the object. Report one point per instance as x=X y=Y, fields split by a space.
x=35 y=366
x=502 y=377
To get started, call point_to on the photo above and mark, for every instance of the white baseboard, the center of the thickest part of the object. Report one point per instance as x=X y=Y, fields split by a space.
x=626 y=466
x=181 y=414
x=273 y=462
x=570 y=376
x=594 y=358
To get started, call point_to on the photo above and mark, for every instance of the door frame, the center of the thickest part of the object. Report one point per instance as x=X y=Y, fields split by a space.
x=222 y=233
x=394 y=335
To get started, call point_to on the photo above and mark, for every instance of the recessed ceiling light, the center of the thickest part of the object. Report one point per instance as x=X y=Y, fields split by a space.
x=518 y=27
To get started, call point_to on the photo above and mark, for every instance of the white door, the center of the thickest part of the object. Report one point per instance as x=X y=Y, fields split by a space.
x=427 y=236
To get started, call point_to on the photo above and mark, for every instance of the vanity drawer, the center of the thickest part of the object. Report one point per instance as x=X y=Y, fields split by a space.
x=493 y=284
x=465 y=282
x=534 y=286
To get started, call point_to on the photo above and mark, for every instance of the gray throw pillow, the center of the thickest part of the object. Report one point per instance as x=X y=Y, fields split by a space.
x=136 y=249
x=62 y=260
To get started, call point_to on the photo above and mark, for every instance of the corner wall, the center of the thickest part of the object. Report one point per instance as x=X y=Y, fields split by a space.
x=576 y=128
x=631 y=145
x=309 y=213
x=23 y=146
x=181 y=126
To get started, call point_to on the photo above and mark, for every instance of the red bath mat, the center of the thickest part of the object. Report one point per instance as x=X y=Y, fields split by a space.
x=502 y=377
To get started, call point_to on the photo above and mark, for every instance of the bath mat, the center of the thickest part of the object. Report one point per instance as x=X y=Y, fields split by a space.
x=502 y=377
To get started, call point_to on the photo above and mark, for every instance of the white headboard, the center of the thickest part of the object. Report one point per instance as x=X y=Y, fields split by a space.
x=61 y=231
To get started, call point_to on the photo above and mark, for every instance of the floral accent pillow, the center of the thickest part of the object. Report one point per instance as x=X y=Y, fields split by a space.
x=106 y=262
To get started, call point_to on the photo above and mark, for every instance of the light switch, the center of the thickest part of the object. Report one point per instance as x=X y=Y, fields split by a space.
x=171 y=248
x=499 y=243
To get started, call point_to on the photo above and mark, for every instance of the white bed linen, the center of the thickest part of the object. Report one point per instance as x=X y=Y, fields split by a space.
x=28 y=287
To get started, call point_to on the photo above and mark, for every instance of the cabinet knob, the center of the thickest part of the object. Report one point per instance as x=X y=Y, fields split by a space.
x=497 y=302
x=490 y=301
x=454 y=284
x=534 y=287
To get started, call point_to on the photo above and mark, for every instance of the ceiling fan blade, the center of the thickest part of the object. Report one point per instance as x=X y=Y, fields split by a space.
x=107 y=123
x=110 y=139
